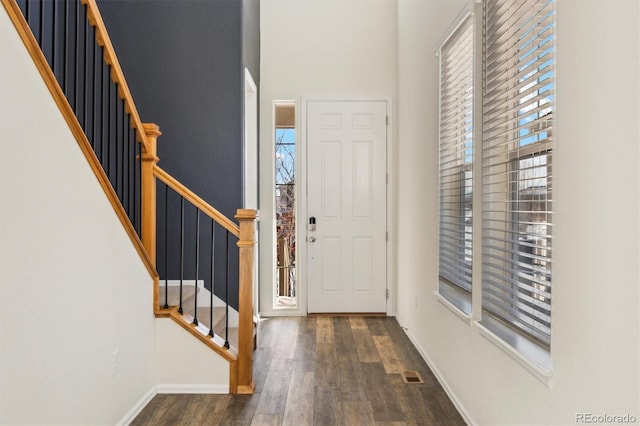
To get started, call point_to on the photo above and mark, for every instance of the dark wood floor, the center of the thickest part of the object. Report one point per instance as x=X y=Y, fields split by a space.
x=321 y=371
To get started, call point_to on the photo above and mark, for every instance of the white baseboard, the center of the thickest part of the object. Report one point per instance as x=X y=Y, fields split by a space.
x=208 y=389
x=452 y=396
x=138 y=407
x=204 y=298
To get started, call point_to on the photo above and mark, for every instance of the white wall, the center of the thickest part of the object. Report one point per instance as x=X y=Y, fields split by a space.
x=313 y=48
x=595 y=339
x=72 y=288
x=198 y=369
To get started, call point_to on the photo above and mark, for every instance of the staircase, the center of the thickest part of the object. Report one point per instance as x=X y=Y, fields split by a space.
x=225 y=322
x=74 y=55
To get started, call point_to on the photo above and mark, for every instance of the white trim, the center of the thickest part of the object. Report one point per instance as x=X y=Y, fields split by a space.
x=250 y=165
x=274 y=310
x=391 y=201
x=542 y=374
x=200 y=389
x=449 y=391
x=138 y=407
x=465 y=13
x=301 y=262
x=476 y=269
x=250 y=143
x=268 y=245
x=468 y=319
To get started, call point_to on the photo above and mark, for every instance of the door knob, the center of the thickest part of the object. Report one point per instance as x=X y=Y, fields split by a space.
x=312 y=239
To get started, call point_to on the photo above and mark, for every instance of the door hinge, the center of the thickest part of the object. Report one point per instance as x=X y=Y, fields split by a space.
x=387 y=120
x=386 y=236
x=387 y=292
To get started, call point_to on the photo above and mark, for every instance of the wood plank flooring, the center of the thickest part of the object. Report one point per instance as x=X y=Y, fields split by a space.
x=321 y=371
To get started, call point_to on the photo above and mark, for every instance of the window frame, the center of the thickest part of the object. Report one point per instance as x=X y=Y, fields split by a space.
x=452 y=291
x=528 y=341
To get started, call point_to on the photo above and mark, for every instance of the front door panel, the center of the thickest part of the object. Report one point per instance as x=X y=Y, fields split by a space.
x=346 y=175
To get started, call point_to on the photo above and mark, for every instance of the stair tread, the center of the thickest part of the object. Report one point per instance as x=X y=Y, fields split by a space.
x=188 y=293
x=203 y=312
x=218 y=320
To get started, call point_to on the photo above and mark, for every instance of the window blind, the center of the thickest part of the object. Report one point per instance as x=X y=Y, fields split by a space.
x=456 y=156
x=517 y=134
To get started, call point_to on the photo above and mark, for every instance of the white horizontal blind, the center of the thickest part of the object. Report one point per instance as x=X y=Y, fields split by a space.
x=456 y=156
x=517 y=129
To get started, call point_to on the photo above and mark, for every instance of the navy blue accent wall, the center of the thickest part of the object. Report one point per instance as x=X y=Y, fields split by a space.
x=184 y=63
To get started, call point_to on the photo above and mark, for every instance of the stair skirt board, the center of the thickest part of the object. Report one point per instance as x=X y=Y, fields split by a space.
x=204 y=298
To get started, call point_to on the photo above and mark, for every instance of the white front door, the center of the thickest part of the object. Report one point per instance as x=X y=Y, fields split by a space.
x=346 y=197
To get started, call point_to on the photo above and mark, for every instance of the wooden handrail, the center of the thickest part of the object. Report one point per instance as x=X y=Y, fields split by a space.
x=50 y=80
x=192 y=197
x=102 y=37
x=240 y=369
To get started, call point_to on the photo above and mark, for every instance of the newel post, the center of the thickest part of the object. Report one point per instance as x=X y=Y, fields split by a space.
x=246 y=245
x=149 y=159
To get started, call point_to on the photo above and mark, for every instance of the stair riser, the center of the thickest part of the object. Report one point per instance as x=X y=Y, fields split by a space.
x=204 y=300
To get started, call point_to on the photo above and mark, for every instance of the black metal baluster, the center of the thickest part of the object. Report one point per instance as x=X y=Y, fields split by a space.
x=80 y=65
x=75 y=60
x=181 y=250
x=123 y=156
x=54 y=39
x=132 y=189
x=87 y=27
x=137 y=184
x=102 y=108
x=132 y=175
x=41 y=35
x=65 y=46
x=119 y=151
x=134 y=179
x=226 y=296
x=126 y=163
x=116 y=141
x=130 y=160
x=166 y=246
x=125 y=159
x=103 y=111
x=195 y=297
x=95 y=98
x=108 y=77
x=213 y=240
x=27 y=10
x=125 y=149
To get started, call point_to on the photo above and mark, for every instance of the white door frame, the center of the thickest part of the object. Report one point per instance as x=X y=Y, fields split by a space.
x=250 y=148
x=301 y=194
x=268 y=293
x=250 y=168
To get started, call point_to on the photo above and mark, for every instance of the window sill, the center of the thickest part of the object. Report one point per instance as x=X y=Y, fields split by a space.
x=453 y=308
x=534 y=359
